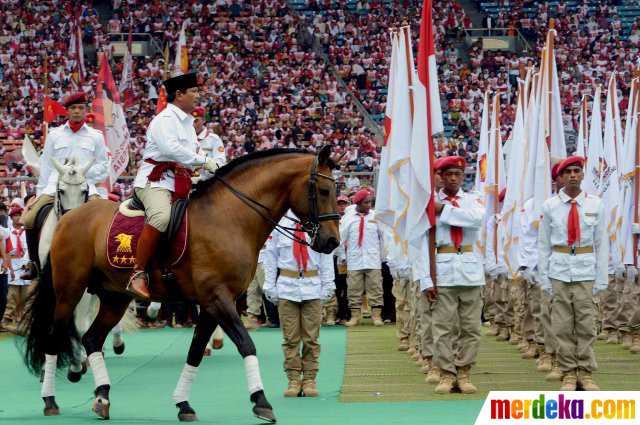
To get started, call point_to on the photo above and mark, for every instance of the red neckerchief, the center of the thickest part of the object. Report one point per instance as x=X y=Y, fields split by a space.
x=75 y=127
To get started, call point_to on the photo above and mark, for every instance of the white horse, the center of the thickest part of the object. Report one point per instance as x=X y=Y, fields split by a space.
x=72 y=191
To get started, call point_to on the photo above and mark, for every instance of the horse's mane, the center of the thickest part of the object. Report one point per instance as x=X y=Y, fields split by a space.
x=203 y=186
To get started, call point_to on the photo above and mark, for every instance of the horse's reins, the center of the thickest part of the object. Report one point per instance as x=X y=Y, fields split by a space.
x=311 y=226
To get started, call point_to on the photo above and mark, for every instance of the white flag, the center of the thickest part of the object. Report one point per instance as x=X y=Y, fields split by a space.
x=592 y=176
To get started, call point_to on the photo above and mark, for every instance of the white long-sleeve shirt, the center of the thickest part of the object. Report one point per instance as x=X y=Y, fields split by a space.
x=553 y=231
x=370 y=255
x=490 y=254
x=211 y=146
x=170 y=138
x=62 y=144
x=528 y=234
x=279 y=255
x=463 y=269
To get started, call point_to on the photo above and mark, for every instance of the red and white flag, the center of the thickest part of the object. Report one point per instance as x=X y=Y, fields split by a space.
x=181 y=63
x=126 y=81
x=77 y=52
x=427 y=121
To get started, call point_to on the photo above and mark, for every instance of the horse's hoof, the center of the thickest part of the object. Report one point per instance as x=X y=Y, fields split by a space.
x=50 y=406
x=85 y=366
x=118 y=349
x=187 y=417
x=264 y=413
x=207 y=352
x=218 y=344
x=73 y=376
x=101 y=408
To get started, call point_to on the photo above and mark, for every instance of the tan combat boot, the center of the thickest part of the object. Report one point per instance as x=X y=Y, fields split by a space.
x=532 y=351
x=503 y=334
x=251 y=323
x=433 y=376
x=404 y=344
x=376 y=316
x=309 y=386
x=330 y=320
x=417 y=356
x=635 y=346
x=355 y=317
x=585 y=380
x=602 y=336
x=555 y=374
x=612 y=338
x=493 y=328
x=426 y=364
x=447 y=382
x=627 y=340
x=544 y=360
x=523 y=345
x=464 y=380
x=569 y=380
x=295 y=385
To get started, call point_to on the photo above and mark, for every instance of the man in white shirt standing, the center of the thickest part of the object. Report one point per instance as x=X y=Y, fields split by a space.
x=305 y=282
x=73 y=139
x=16 y=248
x=165 y=174
x=363 y=239
x=460 y=278
x=209 y=143
x=573 y=260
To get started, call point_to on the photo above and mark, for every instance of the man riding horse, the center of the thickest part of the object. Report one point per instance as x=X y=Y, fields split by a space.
x=73 y=139
x=165 y=173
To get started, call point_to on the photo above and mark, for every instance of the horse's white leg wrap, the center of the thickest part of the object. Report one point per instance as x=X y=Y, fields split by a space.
x=218 y=334
x=152 y=310
x=184 y=384
x=49 y=382
x=99 y=369
x=252 y=370
x=117 y=329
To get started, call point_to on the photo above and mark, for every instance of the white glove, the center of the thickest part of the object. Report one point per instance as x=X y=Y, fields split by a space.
x=528 y=275
x=597 y=291
x=619 y=271
x=635 y=228
x=403 y=273
x=196 y=179
x=632 y=272
x=210 y=165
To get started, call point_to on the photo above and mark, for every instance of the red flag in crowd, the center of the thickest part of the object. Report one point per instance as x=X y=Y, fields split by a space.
x=162 y=100
x=52 y=109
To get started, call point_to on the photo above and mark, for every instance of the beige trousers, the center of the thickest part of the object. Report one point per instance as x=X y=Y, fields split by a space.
x=254 y=292
x=426 y=325
x=361 y=281
x=572 y=318
x=402 y=291
x=157 y=206
x=466 y=303
x=609 y=304
x=30 y=215
x=627 y=304
x=503 y=305
x=488 y=295
x=300 y=322
x=17 y=296
x=534 y=296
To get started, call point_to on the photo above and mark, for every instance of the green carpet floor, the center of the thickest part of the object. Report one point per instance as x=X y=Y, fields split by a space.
x=376 y=371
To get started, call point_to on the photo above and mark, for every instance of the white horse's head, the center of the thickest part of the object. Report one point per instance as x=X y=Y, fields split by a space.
x=73 y=189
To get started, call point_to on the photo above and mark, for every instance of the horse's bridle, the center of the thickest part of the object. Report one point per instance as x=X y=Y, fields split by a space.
x=311 y=226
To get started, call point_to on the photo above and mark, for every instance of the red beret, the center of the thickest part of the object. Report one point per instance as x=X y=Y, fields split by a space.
x=437 y=163
x=554 y=171
x=360 y=196
x=79 y=97
x=90 y=117
x=15 y=210
x=198 y=112
x=343 y=198
x=452 y=162
x=572 y=160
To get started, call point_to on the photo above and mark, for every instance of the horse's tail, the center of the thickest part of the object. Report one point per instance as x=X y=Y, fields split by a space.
x=38 y=324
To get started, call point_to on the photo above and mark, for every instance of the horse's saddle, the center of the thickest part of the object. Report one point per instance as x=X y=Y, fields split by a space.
x=126 y=226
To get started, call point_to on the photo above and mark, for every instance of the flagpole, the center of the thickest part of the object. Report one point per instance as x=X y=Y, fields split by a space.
x=613 y=112
x=405 y=29
x=636 y=182
x=549 y=78
x=496 y=189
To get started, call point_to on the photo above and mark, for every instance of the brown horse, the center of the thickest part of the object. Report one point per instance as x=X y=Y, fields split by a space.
x=231 y=217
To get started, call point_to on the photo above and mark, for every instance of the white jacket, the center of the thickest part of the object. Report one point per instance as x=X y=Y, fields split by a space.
x=170 y=138
x=370 y=255
x=490 y=253
x=459 y=269
x=528 y=235
x=62 y=144
x=211 y=146
x=553 y=231
x=279 y=255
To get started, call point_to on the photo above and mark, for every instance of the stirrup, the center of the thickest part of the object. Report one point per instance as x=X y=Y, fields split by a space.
x=135 y=276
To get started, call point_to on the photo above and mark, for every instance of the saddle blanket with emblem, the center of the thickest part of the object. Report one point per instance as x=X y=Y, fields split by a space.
x=122 y=241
